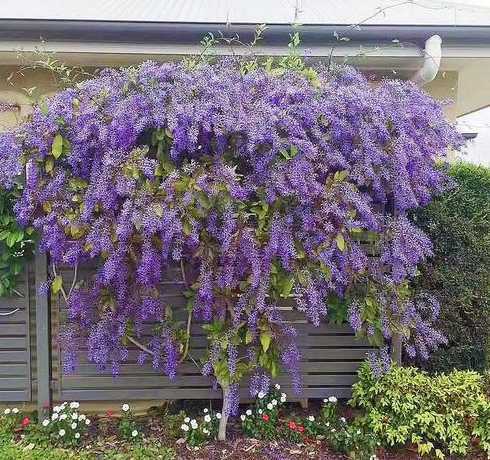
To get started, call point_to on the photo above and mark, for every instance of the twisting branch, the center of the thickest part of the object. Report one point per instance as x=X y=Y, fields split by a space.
x=189 y=318
x=139 y=345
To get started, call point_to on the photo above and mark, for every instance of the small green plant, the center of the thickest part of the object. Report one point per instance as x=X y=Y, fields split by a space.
x=127 y=425
x=441 y=415
x=197 y=433
x=293 y=431
x=13 y=421
x=66 y=426
x=261 y=421
x=15 y=243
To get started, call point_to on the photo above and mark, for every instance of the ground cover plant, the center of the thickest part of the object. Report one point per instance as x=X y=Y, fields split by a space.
x=260 y=180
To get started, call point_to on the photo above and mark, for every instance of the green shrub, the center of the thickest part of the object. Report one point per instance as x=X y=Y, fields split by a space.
x=458 y=224
x=15 y=243
x=440 y=414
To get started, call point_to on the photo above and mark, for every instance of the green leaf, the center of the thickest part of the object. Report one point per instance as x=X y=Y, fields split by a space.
x=49 y=165
x=265 y=340
x=11 y=239
x=57 y=284
x=339 y=239
x=339 y=176
x=249 y=337
x=57 y=147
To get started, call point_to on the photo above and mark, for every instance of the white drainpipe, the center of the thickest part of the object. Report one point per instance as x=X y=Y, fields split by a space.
x=432 y=61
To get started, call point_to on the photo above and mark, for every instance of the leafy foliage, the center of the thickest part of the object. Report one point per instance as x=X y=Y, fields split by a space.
x=458 y=223
x=15 y=242
x=440 y=414
x=258 y=180
x=205 y=429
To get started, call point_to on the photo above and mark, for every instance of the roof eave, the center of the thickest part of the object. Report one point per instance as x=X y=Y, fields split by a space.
x=178 y=32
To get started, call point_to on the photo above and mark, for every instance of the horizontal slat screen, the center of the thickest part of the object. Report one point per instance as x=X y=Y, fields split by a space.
x=15 y=374
x=331 y=356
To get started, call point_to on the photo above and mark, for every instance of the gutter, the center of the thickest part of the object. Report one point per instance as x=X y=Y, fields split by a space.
x=178 y=32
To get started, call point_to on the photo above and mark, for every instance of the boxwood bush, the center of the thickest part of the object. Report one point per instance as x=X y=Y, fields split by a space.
x=458 y=223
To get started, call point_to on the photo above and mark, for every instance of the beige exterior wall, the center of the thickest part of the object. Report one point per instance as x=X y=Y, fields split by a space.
x=27 y=86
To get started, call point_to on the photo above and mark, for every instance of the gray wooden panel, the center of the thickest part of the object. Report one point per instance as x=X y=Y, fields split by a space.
x=197 y=393
x=14 y=356
x=14 y=396
x=13 y=370
x=15 y=374
x=331 y=356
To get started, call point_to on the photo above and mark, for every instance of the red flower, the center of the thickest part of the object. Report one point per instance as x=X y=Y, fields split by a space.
x=265 y=418
x=25 y=421
x=292 y=425
x=301 y=429
x=110 y=413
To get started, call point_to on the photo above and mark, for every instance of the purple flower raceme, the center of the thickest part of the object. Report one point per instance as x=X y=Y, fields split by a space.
x=259 y=185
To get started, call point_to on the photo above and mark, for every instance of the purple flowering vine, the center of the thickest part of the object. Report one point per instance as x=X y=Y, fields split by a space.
x=260 y=188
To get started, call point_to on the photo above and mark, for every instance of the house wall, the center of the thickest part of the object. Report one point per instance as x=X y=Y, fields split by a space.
x=27 y=86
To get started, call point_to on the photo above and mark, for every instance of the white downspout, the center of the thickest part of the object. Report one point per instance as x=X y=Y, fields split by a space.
x=432 y=61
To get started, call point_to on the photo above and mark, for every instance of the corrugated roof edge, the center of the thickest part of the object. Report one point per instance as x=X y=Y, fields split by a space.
x=179 y=32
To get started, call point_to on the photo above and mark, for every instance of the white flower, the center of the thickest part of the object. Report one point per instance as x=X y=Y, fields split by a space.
x=358 y=431
x=260 y=411
x=74 y=405
x=205 y=431
x=261 y=394
x=77 y=435
x=325 y=400
x=277 y=386
x=333 y=430
x=332 y=399
x=61 y=432
x=54 y=416
x=82 y=417
x=243 y=417
x=274 y=402
x=73 y=426
x=342 y=419
x=193 y=424
x=56 y=408
x=125 y=407
x=283 y=399
x=218 y=415
x=187 y=420
x=283 y=396
x=206 y=410
x=15 y=410
x=269 y=406
x=311 y=418
x=184 y=427
x=7 y=411
x=87 y=422
x=207 y=418
x=134 y=433
x=45 y=422
x=74 y=416
x=328 y=423
x=62 y=416
x=248 y=412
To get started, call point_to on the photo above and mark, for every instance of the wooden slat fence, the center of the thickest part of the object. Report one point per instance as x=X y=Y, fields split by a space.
x=15 y=344
x=331 y=356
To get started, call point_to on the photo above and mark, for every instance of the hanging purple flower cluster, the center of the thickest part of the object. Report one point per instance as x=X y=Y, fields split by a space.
x=259 y=184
